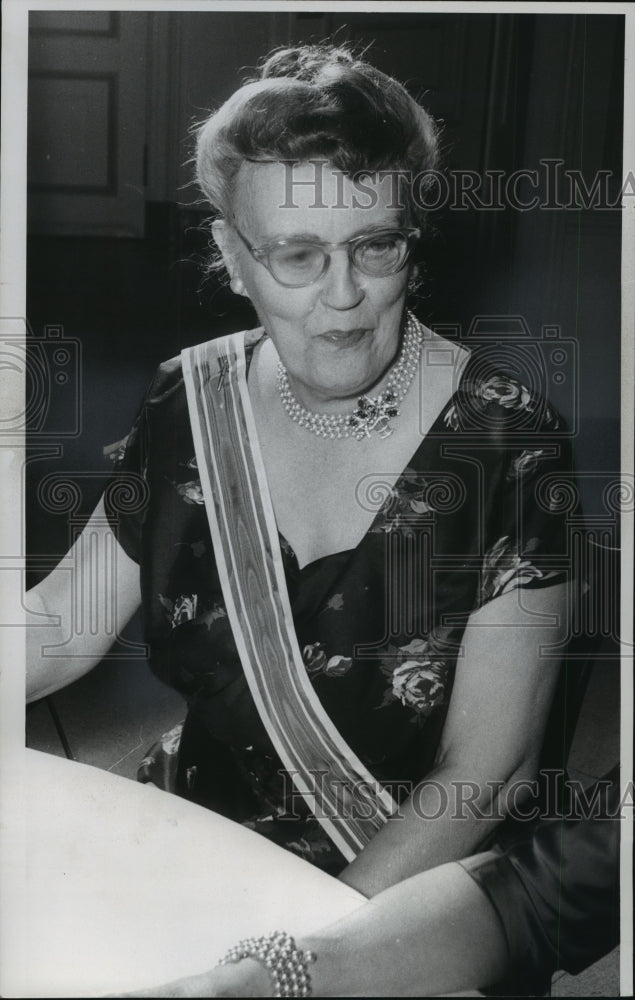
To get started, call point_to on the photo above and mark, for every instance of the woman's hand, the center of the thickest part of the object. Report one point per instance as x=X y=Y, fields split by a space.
x=246 y=978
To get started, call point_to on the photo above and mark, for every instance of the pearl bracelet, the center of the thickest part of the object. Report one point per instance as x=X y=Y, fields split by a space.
x=288 y=967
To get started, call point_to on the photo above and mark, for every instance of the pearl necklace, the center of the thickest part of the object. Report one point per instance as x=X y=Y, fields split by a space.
x=373 y=413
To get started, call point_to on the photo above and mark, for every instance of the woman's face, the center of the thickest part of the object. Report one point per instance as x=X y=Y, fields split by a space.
x=337 y=336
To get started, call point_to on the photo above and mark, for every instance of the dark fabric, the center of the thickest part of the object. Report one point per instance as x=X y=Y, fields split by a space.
x=471 y=517
x=160 y=764
x=557 y=891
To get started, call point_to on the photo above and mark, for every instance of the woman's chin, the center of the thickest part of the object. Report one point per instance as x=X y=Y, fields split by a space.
x=347 y=375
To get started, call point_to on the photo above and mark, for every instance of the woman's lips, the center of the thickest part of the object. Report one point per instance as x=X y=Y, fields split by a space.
x=345 y=338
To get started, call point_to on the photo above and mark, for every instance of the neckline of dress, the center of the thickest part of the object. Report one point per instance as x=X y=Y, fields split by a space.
x=250 y=345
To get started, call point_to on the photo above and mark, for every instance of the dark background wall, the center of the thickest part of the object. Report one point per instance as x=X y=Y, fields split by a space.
x=117 y=230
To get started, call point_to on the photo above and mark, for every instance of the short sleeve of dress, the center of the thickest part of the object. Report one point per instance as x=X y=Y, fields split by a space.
x=557 y=891
x=126 y=495
x=528 y=494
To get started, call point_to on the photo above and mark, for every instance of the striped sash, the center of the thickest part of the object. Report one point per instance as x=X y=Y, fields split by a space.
x=349 y=803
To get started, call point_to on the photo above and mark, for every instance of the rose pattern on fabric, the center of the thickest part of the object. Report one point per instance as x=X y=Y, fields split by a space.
x=168 y=744
x=285 y=548
x=525 y=464
x=513 y=395
x=314 y=657
x=310 y=841
x=209 y=617
x=171 y=740
x=316 y=661
x=310 y=850
x=504 y=569
x=417 y=673
x=451 y=418
x=252 y=824
x=191 y=492
x=337 y=666
x=159 y=765
x=116 y=451
x=417 y=685
x=336 y=603
x=408 y=500
x=183 y=609
x=507 y=392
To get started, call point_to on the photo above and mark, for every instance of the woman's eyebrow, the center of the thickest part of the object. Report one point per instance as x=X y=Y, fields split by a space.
x=378 y=227
x=303 y=235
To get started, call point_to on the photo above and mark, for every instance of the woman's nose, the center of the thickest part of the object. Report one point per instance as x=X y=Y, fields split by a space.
x=341 y=286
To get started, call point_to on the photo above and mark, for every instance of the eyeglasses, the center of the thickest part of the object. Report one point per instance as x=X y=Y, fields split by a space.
x=295 y=263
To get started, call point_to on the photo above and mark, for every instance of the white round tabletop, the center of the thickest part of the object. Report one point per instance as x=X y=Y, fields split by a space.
x=115 y=886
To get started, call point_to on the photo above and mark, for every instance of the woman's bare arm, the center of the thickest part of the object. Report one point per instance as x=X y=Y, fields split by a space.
x=491 y=741
x=433 y=934
x=75 y=613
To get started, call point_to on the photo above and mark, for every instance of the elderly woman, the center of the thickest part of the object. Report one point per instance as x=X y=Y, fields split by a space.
x=346 y=559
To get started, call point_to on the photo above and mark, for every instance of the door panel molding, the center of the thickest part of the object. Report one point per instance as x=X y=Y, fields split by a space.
x=87 y=123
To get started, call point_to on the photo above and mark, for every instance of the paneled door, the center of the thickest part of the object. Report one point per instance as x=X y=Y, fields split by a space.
x=87 y=122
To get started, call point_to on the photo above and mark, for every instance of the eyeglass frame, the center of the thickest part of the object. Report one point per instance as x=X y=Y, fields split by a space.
x=412 y=234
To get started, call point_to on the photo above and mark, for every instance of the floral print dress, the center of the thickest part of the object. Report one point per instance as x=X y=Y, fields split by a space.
x=477 y=512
